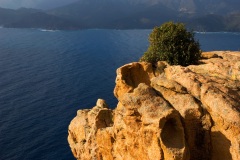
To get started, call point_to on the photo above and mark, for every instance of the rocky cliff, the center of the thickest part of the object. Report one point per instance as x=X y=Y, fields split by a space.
x=166 y=112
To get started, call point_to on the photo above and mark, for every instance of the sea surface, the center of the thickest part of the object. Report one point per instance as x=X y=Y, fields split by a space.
x=46 y=76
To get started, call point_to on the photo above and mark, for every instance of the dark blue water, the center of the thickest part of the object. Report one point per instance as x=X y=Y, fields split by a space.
x=45 y=77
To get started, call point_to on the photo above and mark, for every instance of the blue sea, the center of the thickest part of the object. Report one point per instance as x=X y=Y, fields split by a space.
x=46 y=76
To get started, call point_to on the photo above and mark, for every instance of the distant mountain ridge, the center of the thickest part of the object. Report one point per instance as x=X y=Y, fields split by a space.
x=203 y=15
x=33 y=18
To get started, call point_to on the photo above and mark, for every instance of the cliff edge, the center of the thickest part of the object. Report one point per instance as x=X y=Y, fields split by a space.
x=166 y=112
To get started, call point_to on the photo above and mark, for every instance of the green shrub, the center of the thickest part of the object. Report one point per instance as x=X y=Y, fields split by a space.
x=171 y=42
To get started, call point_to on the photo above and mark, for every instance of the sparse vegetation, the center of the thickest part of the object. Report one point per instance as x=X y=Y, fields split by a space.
x=172 y=42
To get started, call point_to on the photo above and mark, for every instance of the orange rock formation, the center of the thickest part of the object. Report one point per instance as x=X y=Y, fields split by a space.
x=166 y=112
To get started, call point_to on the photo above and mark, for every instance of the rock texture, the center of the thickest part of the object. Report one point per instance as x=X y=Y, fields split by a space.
x=166 y=112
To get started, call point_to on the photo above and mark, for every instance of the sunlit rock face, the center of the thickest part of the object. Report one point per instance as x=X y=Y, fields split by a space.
x=166 y=112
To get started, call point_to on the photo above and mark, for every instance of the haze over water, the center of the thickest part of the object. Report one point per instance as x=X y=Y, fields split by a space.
x=46 y=76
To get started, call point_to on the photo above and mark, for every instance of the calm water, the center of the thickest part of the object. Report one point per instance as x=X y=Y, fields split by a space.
x=45 y=77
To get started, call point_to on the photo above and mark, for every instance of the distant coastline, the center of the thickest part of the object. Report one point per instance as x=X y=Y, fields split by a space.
x=56 y=30
x=198 y=16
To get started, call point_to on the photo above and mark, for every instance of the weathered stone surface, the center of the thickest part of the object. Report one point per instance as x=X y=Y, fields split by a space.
x=152 y=128
x=197 y=121
x=166 y=112
x=84 y=130
x=130 y=75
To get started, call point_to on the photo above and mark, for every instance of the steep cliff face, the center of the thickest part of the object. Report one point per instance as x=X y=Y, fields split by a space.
x=166 y=112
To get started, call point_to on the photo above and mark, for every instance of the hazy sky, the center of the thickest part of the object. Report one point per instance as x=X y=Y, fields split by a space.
x=40 y=4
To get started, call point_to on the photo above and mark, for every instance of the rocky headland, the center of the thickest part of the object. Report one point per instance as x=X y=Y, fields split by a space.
x=166 y=112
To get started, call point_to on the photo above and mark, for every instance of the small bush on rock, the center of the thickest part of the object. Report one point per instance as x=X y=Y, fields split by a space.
x=171 y=42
